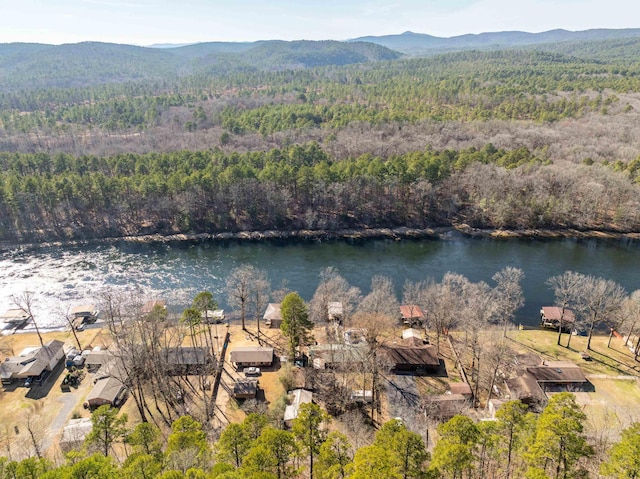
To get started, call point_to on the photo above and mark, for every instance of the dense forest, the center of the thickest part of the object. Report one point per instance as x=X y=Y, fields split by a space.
x=300 y=187
x=108 y=140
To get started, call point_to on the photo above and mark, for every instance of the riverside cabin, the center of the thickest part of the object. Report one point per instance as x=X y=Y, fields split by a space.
x=552 y=316
x=14 y=318
x=411 y=314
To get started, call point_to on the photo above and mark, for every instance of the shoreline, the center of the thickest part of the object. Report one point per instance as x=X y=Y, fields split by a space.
x=396 y=234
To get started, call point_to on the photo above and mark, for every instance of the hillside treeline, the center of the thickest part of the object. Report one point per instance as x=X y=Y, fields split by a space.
x=516 y=444
x=59 y=196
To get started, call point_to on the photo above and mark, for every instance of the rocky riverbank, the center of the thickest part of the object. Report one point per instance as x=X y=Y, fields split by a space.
x=396 y=234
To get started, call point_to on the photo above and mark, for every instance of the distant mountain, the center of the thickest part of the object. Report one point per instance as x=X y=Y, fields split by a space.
x=420 y=44
x=80 y=64
x=168 y=45
x=305 y=54
x=199 y=50
x=33 y=66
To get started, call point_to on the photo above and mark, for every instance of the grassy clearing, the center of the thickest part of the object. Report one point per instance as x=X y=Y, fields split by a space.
x=613 y=360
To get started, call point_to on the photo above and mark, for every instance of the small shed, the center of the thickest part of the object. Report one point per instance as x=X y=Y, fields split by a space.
x=251 y=356
x=108 y=390
x=445 y=406
x=552 y=316
x=273 y=316
x=412 y=337
x=411 y=314
x=75 y=432
x=300 y=396
x=462 y=389
x=245 y=388
x=213 y=316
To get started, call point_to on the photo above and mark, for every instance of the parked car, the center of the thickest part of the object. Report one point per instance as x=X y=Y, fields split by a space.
x=28 y=382
x=252 y=371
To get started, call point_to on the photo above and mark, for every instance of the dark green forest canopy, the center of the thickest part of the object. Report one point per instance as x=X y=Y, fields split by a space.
x=46 y=196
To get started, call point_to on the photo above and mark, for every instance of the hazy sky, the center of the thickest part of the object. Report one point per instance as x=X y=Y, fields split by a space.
x=144 y=22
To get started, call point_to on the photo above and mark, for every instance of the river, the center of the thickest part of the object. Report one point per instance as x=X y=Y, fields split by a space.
x=65 y=276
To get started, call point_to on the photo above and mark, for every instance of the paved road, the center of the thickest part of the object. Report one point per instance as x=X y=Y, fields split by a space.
x=403 y=397
x=69 y=402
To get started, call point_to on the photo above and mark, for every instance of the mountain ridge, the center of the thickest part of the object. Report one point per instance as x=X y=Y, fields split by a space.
x=421 y=43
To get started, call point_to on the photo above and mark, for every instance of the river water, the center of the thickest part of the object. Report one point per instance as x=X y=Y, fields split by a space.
x=65 y=276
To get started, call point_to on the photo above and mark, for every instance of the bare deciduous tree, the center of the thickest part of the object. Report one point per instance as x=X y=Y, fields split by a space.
x=443 y=302
x=599 y=299
x=497 y=357
x=631 y=311
x=247 y=287
x=508 y=294
x=333 y=288
x=381 y=300
x=25 y=302
x=565 y=288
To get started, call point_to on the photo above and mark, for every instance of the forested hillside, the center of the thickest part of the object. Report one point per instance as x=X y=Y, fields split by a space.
x=35 y=66
x=315 y=135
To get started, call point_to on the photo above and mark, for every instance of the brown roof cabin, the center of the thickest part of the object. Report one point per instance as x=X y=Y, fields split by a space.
x=251 y=356
x=532 y=383
x=187 y=360
x=445 y=406
x=272 y=316
x=418 y=359
x=245 y=388
x=411 y=314
x=109 y=391
x=551 y=316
